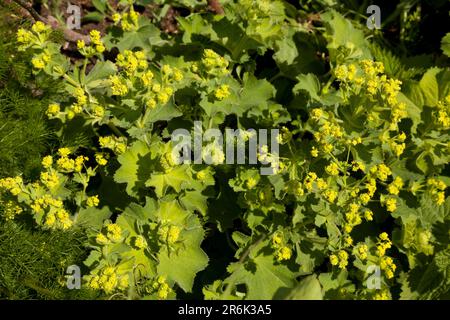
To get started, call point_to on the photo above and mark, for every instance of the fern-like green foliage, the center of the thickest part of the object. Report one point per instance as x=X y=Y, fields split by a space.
x=23 y=130
x=33 y=263
x=25 y=133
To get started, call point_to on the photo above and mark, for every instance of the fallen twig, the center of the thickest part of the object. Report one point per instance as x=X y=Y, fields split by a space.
x=69 y=35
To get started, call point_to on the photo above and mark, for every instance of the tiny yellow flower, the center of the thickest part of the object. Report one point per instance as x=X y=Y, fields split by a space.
x=140 y=242
x=222 y=92
x=116 y=17
x=177 y=75
x=38 y=63
x=81 y=44
x=92 y=201
x=391 y=204
x=368 y=215
x=334 y=260
x=251 y=182
x=314 y=152
x=101 y=239
x=285 y=253
x=47 y=162
x=53 y=109
x=384 y=236
x=39 y=27
x=332 y=169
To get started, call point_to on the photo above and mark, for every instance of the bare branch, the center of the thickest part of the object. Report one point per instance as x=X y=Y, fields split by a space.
x=69 y=35
x=29 y=7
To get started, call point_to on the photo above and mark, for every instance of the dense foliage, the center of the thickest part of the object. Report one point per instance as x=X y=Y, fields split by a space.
x=360 y=181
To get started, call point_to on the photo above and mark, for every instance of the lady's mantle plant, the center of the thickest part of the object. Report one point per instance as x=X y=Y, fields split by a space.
x=358 y=152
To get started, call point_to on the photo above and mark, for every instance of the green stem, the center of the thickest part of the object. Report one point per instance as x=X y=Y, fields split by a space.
x=241 y=264
x=83 y=71
x=71 y=81
x=114 y=129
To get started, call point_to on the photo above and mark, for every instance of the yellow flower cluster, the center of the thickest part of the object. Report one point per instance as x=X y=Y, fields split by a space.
x=128 y=21
x=251 y=183
x=345 y=73
x=98 y=111
x=67 y=165
x=388 y=266
x=201 y=175
x=362 y=251
x=64 y=152
x=330 y=195
x=340 y=259
x=11 y=209
x=260 y=13
x=222 y=92
x=390 y=203
x=352 y=217
x=109 y=280
x=92 y=201
x=37 y=36
x=309 y=180
x=283 y=252
x=381 y=171
x=171 y=74
x=24 y=36
x=398 y=113
x=312 y=180
x=58 y=219
x=96 y=46
x=383 y=244
x=332 y=169
x=397 y=144
x=213 y=154
x=395 y=186
x=163 y=95
x=348 y=241
x=13 y=185
x=160 y=92
x=140 y=242
x=146 y=78
x=53 y=110
x=118 y=145
x=358 y=165
x=43 y=203
x=284 y=136
x=50 y=179
x=113 y=234
x=96 y=40
x=169 y=234
x=132 y=61
x=81 y=101
x=371 y=187
x=442 y=114
x=161 y=288
x=383 y=295
x=100 y=159
x=118 y=85
x=40 y=60
x=214 y=64
x=372 y=79
x=437 y=190
x=368 y=215
x=52 y=209
x=328 y=132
